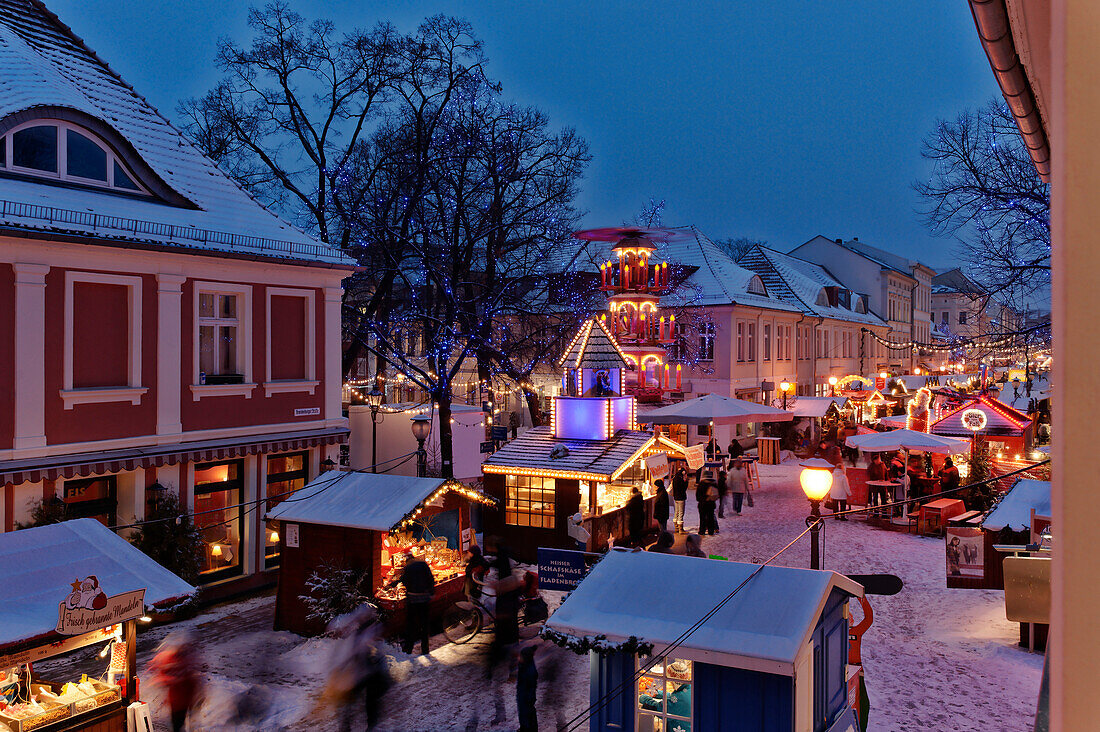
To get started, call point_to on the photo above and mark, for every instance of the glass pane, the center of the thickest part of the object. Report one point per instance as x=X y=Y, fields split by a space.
x=3 y=151
x=122 y=180
x=285 y=463
x=650 y=723
x=651 y=694
x=206 y=305
x=36 y=148
x=678 y=725
x=227 y=356
x=679 y=669
x=216 y=517
x=207 y=359
x=278 y=491
x=84 y=158
x=227 y=306
x=271 y=539
x=86 y=490
x=216 y=473
x=678 y=699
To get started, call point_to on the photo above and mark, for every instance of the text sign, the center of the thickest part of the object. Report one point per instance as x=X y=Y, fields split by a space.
x=498 y=432
x=307 y=412
x=561 y=569
x=696 y=456
x=291 y=531
x=88 y=608
x=486 y=448
x=64 y=645
x=658 y=465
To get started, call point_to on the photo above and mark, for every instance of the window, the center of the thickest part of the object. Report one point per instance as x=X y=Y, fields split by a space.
x=218 y=517
x=529 y=501
x=740 y=341
x=222 y=353
x=750 y=341
x=218 y=344
x=285 y=474
x=825 y=344
x=767 y=356
x=665 y=695
x=291 y=341
x=962 y=317
x=64 y=151
x=706 y=342
x=756 y=286
x=943 y=317
x=92 y=498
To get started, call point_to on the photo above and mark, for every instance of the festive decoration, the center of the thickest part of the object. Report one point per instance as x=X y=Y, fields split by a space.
x=437 y=495
x=974 y=420
x=582 y=645
x=918 y=410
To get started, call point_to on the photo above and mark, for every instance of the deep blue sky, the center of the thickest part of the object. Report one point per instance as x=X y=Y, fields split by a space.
x=774 y=120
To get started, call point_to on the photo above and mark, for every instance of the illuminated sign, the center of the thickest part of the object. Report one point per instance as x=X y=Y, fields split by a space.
x=974 y=420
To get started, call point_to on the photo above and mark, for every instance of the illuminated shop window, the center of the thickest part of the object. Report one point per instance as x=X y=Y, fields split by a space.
x=285 y=475
x=664 y=698
x=529 y=501
x=218 y=491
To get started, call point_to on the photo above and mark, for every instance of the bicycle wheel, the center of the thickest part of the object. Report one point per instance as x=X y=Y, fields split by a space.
x=460 y=624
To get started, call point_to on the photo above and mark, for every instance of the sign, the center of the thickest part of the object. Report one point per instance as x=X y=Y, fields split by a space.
x=37 y=653
x=658 y=465
x=291 y=535
x=486 y=448
x=965 y=549
x=974 y=420
x=308 y=412
x=880 y=383
x=696 y=456
x=88 y=608
x=467 y=538
x=498 y=433
x=561 y=569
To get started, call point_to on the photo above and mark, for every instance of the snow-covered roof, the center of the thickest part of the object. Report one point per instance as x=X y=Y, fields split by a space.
x=39 y=565
x=354 y=500
x=595 y=459
x=807 y=406
x=763 y=627
x=886 y=259
x=1014 y=510
x=45 y=67
x=800 y=283
x=594 y=348
x=1001 y=419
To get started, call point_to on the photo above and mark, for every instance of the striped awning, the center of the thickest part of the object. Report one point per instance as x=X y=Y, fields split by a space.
x=33 y=470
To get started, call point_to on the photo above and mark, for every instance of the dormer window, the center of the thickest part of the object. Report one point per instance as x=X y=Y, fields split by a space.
x=823 y=298
x=63 y=151
x=756 y=286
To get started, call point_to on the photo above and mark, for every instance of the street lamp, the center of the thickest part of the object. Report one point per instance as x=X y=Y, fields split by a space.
x=421 y=428
x=816 y=479
x=784 y=386
x=374 y=399
x=832 y=385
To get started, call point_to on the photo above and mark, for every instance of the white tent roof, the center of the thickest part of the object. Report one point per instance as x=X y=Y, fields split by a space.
x=763 y=627
x=714 y=408
x=39 y=565
x=1014 y=510
x=897 y=421
x=908 y=440
x=806 y=406
x=354 y=500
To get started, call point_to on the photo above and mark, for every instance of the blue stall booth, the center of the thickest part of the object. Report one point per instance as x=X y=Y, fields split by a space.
x=772 y=658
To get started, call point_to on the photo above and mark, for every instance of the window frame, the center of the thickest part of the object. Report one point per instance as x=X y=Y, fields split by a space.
x=512 y=502
x=62 y=174
x=89 y=509
x=244 y=340
x=664 y=679
x=707 y=334
x=310 y=382
x=766 y=342
x=273 y=559
x=750 y=341
x=238 y=484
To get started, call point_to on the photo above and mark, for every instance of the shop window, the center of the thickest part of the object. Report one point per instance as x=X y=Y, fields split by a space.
x=92 y=498
x=529 y=501
x=219 y=342
x=664 y=697
x=285 y=475
x=218 y=491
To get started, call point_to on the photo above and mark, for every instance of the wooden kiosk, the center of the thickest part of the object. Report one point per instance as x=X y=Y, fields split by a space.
x=371 y=523
x=75 y=589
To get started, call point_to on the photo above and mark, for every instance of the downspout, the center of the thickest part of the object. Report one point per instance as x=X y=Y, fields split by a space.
x=797 y=346
x=813 y=376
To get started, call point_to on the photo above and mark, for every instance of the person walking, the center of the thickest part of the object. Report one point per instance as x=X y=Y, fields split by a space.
x=706 y=494
x=508 y=589
x=419 y=589
x=660 y=505
x=840 y=492
x=476 y=565
x=175 y=669
x=738 y=482
x=679 y=499
x=635 y=517
x=723 y=493
x=358 y=669
x=527 y=678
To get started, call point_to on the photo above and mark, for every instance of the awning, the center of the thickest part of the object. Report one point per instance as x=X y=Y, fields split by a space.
x=115 y=461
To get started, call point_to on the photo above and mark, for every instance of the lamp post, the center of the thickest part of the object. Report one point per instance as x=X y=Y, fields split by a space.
x=784 y=386
x=832 y=386
x=1015 y=387
x=421 y=428
x=374 y=399
x=327 y=464
x=816 y=479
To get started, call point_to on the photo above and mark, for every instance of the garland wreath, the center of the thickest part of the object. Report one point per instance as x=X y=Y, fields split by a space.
x=600 y=644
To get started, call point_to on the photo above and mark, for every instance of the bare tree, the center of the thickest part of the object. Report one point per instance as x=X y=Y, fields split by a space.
x=739 y=246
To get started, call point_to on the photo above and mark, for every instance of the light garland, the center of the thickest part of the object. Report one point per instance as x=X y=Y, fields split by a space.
x=545 y=473
x=448 y=487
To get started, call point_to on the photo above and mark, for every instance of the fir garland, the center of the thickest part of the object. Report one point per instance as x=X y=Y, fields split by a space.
x=598 y=644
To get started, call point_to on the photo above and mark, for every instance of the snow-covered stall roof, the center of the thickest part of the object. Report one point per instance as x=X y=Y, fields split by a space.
x=763 y=627
x=1001 y=419
x=46 y=70
x=39 y=565
x=538 y=450
x=806 y=406
x=354 y=500
x=1014 y=510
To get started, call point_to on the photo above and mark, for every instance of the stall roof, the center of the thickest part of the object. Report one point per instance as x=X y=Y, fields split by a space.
x=537 y=451
x=716 y=409
x=39 y=565
x=762 y=628
x=1001 y=419
x=806 y=406
x=1014 y=510
x=593 y=347
x=354 y=500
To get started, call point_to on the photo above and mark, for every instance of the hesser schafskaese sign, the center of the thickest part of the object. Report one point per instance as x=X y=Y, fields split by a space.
x=89 y=608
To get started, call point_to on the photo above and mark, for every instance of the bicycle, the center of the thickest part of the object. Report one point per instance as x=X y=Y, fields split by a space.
x=466 y=618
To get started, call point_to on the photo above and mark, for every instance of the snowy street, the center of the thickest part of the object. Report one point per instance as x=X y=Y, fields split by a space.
x=935 y=658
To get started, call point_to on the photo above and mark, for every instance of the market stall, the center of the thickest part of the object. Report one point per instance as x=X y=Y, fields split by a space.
x=372 y=523
x=74 y=589
x=748 y=666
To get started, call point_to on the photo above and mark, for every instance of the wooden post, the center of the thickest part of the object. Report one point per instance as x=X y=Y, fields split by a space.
x=129 y=633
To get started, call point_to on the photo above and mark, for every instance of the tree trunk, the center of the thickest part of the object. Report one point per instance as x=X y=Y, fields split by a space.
x=534 y=406
x=446 y=435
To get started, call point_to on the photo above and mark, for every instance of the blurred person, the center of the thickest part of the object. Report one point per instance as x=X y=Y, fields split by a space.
x=706 y=494
x=476 y=566
x=419 y=589
x=949 y=476
x=737 y=481
x=840 y=491
x=635 y=516
x=175 y=668
x=359 y=669
x=695 y=546
x=660 y=505
x=723 y=493
x=527 y=678
x=663 y=545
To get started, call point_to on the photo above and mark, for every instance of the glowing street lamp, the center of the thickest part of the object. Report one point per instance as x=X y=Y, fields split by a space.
x=816 y=479
x=832 y=385
x=421 y=428
x=784 y=386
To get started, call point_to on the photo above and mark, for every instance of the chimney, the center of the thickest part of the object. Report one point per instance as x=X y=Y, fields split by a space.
x=839 y=241
x=855 y=238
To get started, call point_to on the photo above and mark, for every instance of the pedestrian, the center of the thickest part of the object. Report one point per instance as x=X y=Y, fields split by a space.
x=901 y=487
x=635 y=517
x=663 y=545
x=695 y=545
x=679 y=499
x=476 y=566
x=723 y=494
x=738 y=481
x=706 y=494
x=949 y=476
x=527 y=678
x=175 y=668
x=839 y=492
x=576 y=530
x=660 y=505
x=876 y=471
x=508 y=589
x=359 y=670
x=419 y=583
x=735 y=450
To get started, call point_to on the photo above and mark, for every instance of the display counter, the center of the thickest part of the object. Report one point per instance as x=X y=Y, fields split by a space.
x=612 y=523
x=447 y=569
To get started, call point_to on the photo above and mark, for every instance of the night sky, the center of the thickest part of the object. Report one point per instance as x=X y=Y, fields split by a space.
x=772 y=120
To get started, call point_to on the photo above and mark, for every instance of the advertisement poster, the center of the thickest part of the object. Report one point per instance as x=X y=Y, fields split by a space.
x=658 y=465
x=965 y=552
x=88 y=607
x=696 y=455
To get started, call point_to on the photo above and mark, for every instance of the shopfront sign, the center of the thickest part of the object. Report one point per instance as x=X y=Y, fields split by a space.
x=658 y=465
x=88 y=607
x=64 y=645
x=561 y=569
x=696 y=455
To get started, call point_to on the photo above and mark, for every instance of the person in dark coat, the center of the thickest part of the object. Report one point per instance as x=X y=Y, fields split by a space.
x=419 y=589
x=663 y=545
x=508 y=593
x=949 y=476
x=735 y=449
x=706 y=493
x=527 y=678
x=723 y=494
x=635 y=517
x=660 y=505
x=679 y=498
x=476 y=565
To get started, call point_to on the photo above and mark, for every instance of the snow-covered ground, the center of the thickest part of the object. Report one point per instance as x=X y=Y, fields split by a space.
x=935 y=658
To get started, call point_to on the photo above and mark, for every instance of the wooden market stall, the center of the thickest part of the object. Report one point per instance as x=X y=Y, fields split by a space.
x=748 y=666
x=74 y=589
x=371 y=523
x=1006 y=430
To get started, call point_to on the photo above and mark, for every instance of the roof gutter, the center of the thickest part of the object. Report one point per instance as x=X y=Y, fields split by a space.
x=995 y=32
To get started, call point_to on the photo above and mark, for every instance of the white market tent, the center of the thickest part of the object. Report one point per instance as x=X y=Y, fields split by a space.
x=714 y=408
x=39 y=565
x=805 y=406
x=1014 y=510
x=897 y=421
x=763 y=627
x=908 y=440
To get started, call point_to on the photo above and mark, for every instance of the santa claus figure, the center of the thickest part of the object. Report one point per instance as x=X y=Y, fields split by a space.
x=87 y=594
